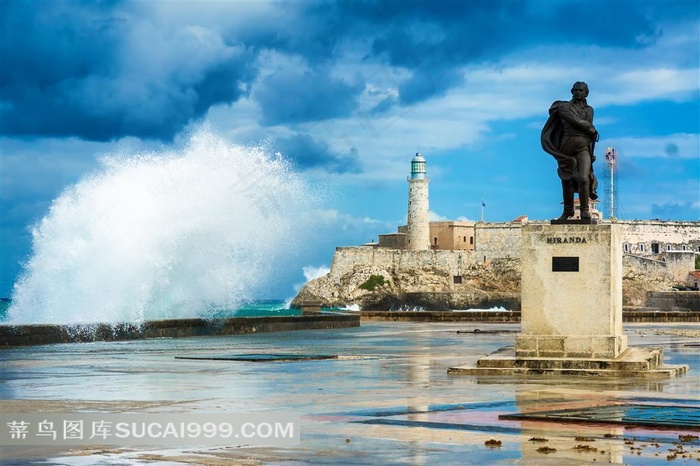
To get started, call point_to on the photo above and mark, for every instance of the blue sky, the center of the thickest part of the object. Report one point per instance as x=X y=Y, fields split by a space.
x=348 y=91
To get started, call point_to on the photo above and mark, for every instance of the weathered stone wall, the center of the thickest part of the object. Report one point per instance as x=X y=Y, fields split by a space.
x=393 y=241
x=642 y=274
x=346 y=259
x=497 y=240
x=674 y=300
x=678 y=264
x=639 y=236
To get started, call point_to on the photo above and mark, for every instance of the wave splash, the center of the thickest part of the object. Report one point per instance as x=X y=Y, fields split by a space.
x=164 y=235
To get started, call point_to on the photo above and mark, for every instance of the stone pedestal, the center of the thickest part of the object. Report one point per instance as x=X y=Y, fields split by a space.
x=572 y=309
x=571 y=292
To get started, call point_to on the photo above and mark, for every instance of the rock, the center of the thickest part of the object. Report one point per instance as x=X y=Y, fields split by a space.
x=429 y=287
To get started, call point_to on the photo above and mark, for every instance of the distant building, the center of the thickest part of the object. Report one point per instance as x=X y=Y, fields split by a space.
x=452 y=235
x=694 y=279
x=593 y=205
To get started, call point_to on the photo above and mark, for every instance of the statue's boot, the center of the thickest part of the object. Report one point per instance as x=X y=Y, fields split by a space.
x=567 y=187
x=583 y=196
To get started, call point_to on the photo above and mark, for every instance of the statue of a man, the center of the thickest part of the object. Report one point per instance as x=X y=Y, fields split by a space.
x=569 y=136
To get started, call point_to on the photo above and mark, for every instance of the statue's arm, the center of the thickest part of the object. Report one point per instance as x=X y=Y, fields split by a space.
x=570 y=117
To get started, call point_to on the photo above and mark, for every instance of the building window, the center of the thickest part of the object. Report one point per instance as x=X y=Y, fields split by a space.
x=655 y=248
x=683 y=247
x=465 y=239
x=641 y=247
x=626 y=247
x=471 y=241
x=457 y=279
x=435 y=241
x=668 y=247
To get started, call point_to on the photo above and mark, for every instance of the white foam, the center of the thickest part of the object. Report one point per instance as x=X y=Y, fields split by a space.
x=163 y=235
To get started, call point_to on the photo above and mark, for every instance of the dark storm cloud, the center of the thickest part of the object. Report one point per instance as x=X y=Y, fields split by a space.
x=292 y=96
x=103 y=70
x=433 y=39
x=97 y=71
x=310 y=29
x=307 y=152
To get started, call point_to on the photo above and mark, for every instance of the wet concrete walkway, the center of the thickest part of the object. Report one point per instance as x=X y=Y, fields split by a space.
x=385 y=399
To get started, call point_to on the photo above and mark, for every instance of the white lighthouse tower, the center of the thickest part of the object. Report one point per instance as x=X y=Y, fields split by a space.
x=418 y=212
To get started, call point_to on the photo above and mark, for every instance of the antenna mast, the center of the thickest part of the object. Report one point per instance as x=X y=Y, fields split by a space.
x=611 y=157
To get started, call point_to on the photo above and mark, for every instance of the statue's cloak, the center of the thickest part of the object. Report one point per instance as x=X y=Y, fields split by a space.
x=551 y=139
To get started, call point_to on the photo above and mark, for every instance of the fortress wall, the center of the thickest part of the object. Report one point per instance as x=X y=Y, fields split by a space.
x=502 y=240
x=496 y=240
x=645 y=265
x=679 y=263
x=347 y=258
x=677 y=235
x=674 y=266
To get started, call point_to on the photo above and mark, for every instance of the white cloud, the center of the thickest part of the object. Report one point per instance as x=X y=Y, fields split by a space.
x=680 y=145
x=435 y=217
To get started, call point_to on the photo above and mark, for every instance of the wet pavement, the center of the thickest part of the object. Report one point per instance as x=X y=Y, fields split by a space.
x=377 y=394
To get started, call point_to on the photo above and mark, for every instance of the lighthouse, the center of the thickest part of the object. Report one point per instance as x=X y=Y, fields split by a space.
x=418 y=237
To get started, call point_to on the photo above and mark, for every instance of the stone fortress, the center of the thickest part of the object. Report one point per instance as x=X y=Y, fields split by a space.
x=475 y=264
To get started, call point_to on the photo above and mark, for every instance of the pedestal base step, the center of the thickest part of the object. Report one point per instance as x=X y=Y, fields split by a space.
x=633 y=362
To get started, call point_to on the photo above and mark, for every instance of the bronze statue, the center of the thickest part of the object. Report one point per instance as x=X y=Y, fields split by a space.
x=569 y=136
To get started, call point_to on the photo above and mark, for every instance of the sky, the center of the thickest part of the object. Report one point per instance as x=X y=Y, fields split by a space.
x=348 y=92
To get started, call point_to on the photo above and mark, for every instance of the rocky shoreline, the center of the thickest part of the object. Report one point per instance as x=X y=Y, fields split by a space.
x=384 y=286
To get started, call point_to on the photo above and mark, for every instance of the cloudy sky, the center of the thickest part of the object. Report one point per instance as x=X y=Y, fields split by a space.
x=348 y=91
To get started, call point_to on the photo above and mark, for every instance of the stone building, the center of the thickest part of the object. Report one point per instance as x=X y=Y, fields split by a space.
x=452 y=235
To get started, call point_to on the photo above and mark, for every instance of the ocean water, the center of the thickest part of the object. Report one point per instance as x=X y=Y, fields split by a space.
x=182 y=233
x=259 y=308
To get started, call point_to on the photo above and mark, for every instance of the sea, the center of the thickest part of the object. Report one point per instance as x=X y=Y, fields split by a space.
x=258 y=308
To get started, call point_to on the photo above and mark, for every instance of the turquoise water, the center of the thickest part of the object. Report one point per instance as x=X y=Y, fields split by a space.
x=268 y=307
x=261 y=308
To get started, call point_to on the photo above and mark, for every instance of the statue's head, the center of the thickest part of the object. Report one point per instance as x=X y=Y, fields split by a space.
x=579 y=90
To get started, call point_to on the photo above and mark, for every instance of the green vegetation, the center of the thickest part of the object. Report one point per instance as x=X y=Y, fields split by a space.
x=697 y=261
x=373 y=282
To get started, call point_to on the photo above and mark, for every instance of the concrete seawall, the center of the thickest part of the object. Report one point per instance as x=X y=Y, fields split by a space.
x=441 y=316
x=674 y=300
x=628 y=315
x=28 y=335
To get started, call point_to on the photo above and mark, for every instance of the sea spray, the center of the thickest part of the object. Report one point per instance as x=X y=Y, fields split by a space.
x=164 y=235
x=310 y=272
